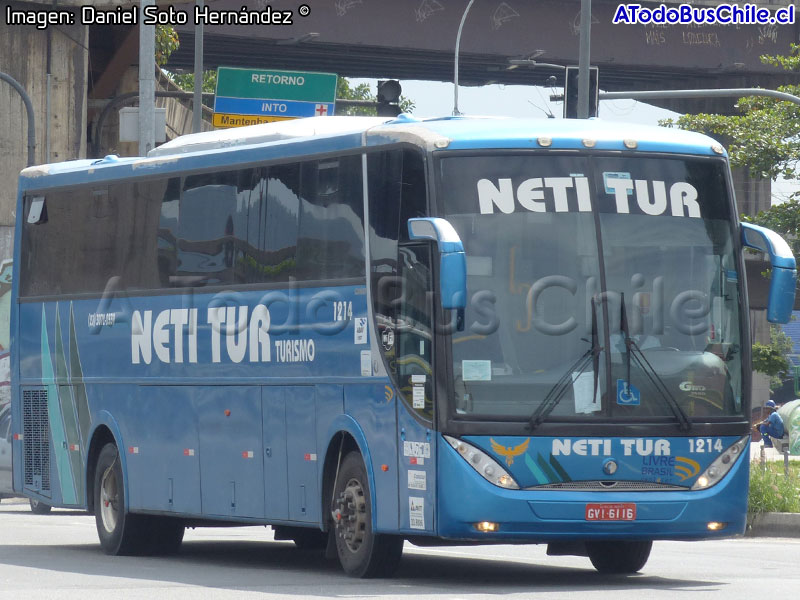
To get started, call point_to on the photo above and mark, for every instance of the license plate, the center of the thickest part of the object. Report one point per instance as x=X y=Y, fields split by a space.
x=621 y=511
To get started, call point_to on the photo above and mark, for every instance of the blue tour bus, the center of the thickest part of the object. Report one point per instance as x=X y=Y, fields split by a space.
x=363 y=331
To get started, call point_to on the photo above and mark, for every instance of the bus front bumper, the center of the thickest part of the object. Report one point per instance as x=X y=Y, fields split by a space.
x=465 y=500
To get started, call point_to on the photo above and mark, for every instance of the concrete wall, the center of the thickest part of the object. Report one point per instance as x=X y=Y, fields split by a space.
x=24 y=56
x=29 y=55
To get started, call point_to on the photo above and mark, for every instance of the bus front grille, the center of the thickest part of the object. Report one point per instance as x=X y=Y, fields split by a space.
x=36 y=432
x=609 y=486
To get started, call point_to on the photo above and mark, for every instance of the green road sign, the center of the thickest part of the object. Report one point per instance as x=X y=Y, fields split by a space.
x=276 y=85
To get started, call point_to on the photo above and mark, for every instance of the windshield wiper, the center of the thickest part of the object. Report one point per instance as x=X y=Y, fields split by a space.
x=647 y=369
x=592 y=355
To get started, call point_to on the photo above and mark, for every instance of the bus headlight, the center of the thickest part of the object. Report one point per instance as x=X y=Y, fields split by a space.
x=720 y=467
x=485 y=465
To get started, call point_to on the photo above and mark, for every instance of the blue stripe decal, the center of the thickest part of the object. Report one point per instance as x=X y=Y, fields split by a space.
x=534 y=468
x=66 y=482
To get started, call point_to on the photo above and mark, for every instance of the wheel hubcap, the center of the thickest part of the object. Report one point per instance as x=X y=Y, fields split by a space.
x=109 y=500
x=351 y=515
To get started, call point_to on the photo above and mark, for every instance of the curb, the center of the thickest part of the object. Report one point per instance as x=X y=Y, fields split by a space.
x=774 y=525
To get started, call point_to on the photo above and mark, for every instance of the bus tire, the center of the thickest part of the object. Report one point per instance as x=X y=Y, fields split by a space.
x=39 y=508
x=619 y=557
x=362 y=553
x=118 y=530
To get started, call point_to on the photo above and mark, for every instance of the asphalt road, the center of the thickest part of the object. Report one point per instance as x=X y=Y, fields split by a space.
x=58 y=556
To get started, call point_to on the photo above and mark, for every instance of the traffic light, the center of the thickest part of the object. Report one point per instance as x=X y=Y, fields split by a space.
x=388 y=95
x=571 y=92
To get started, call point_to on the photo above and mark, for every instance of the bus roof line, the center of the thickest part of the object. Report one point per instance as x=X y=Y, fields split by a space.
x=313 y=127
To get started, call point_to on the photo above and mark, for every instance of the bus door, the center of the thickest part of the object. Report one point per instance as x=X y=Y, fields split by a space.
x=413 y=370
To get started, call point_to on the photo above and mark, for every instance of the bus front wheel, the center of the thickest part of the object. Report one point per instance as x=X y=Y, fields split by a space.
x=619 y=557
x=362 y=553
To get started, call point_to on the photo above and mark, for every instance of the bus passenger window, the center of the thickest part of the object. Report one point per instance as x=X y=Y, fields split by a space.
x=275 y=258
x=331 y=232
x=167 y=239
x=212 y=232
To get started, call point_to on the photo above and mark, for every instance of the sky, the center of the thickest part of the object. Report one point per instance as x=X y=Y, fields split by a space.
x=435 y=99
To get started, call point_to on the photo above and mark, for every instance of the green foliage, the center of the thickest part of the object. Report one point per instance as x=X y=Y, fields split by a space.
x=783 y=218
x=345 y=91
x=166 y=43
x=770 y=359
x=185 y=81
x=771 y=490
x=765 y=138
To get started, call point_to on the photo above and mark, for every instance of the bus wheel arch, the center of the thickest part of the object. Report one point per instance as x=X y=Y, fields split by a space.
x=102 y=436
x=339 y=446
x=121 y=532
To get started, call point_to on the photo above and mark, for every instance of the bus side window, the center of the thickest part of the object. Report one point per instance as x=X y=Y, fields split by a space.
x=331 y=231
x=211 y=229
x=275 y=257
x=167 y=237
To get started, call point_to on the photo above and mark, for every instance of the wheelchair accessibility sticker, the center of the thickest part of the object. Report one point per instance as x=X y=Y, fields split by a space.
x=627 y=394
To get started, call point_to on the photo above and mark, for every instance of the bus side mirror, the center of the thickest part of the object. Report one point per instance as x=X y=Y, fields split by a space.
x=784 y=272
x=452 y=259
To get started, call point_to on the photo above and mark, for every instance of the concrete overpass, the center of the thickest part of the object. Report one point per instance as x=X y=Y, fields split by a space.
x=415 y=39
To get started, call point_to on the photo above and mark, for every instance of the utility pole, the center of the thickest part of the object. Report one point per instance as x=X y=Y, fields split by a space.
x=197 y=104
x=584 y=54
x=29 y=111
x=147 y=82
x=457 y=112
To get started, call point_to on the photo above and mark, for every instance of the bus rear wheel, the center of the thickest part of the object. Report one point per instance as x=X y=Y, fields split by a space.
x=123 y=533
x=39 y=508
x=619 y=557
x=362 y=553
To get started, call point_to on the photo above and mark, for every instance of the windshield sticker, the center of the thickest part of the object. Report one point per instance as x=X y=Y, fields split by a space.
x=387 y=339
x=612 y=175
x=418 y=398
x=476 y=370
x=623 y=195
x=583 y=389
x=628 y=394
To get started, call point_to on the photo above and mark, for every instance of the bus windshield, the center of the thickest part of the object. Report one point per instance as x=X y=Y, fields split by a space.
x=606 y=285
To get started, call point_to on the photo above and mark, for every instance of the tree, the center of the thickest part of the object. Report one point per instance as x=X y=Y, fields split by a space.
x=770 y=359
x=166 y=43
x=765 y=139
